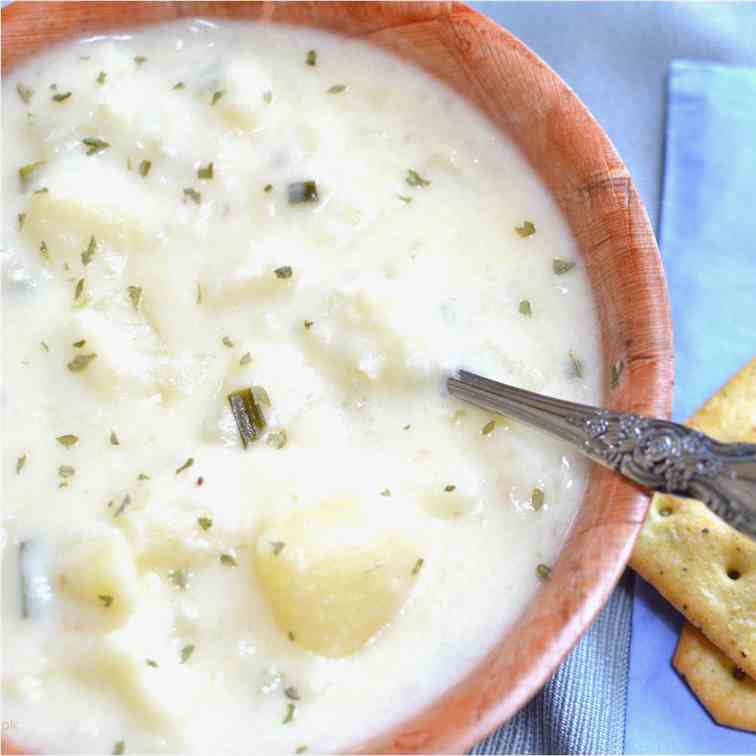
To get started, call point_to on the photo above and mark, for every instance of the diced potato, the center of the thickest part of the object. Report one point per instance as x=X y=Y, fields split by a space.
x=448 y=505
x=332 y=579
x=97 y=570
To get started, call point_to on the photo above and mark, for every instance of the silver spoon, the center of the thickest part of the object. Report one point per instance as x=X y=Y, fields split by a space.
x=657 y=454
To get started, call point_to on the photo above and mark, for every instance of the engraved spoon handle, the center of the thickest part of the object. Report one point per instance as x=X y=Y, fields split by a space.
x=658 y=454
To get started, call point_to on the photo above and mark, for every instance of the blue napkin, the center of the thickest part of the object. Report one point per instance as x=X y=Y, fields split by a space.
x=708 y=242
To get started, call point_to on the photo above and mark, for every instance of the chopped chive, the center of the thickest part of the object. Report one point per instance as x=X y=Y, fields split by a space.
x=88 y=253
x=68 y=440
x=560 y=266
x=20 y=463
x=249 y=418
x=26 y=170
x=543 y=571
x=123 y=506
x=101 y=77
x=79 y=290
x=449 y=488
x=139 y=59
x=525 y=308
x=144 y=168
x=228 y=560
x=194 y=195
x=337 y=89
x=94 y=145
x=106 y=600
x=290 y=708
x=114 y=439
x=60 y=97
x=526 y=229
x=186 y=652
x=189 y=462
x=577 y=365
x=246 y=359
x=217 y=95
x=135 y=295
x=205 y=173
x=537 y=499
x=24 y=92
x=418 y=566
x=488 y=428
x=303 y=191
x=278 y=547
x=283 y=272
x=80 y=362
x=205 y=523
x=311 y=58
x=415 y=179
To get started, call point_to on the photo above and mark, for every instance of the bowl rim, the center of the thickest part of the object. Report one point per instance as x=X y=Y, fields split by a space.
x=477 y=704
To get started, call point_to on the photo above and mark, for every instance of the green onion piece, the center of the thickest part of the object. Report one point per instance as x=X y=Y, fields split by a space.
x=413 y=178
x=246 y=359
x=106 y=600
x=418 y=566
x=24 y=92
x=617 y=370
x=488 y=428
x=526 y=308
x=186 y=652
x=135 y=295
x=290 y=636
x=20 y=463
x=114 y=439
x=60 y=97
x=249 y=418
x=151 y=662
x=205 y=523
x=205 y=173
x=94 y=145
x=101 y=77
x=142 y=476
x=292 y=693
x=180 y=578
x=560 y=267
x=144 y=167
x=228 y=560
x=66 y=471
x=450 y=487
x=139 y=59
x=268 y=188
x=179 y=85
x=267 y=97
x=577 y=365
x=45 y=347
x=88 y=253
x=526 y=229
x=284 y=272
x=119 y=748
x=312 y=58
x=337 y=89
x=217 y=95
x=68 y=440
x=277 y=439
x=227 y=342
x=189 y=462
x=194 y=195
x=278 y=547
x=26 y=170
x=386 y=492
x=80 y=362
x=404 y=198
x=79 y=290
x=537 y=499
x=309 y=324
x=543 y=571
x=122 y=506
x=21 y=218
x=303 y=191
x=199 y=294
x=290 y=708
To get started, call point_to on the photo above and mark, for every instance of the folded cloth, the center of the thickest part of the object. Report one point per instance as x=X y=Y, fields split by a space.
x=708 y=243
x=582 y=708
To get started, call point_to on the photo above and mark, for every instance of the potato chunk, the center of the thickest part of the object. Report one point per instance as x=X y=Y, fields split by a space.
x=333 y=579
x=97 y=571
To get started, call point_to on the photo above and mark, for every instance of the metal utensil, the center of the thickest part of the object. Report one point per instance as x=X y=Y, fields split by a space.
x=657 y=454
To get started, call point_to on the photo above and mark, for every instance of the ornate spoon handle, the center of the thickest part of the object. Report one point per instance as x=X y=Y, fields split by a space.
x=658 y=454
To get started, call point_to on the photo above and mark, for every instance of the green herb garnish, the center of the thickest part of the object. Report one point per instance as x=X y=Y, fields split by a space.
x=114 y=439
x=249 y=418
x=44 y=251
x=20 y=463
x=205 y=523
x=66 y=471
x=79 y=344
x=106 y=600
x=139 y=59
x=194 y=195
x=560 y=266
x=228 y=560
x=537 y=498
x=44 y=346
x=283 y=272
x=119 y=748
x=302 y=191
x=418 y=566
x=60 y=97
x=337 y=89
x=144 y=168
x=24 y=92
x=68 y=440
x=179 y=85
x=186 y=652
x=43 y=190
x=227 y=342
x=278 y=547
x=80 y=362
x=413 y=178
x=21 y=218
x=543 y=571
x=290 y=636
x=290 y=708
x=180 y=578
x=525 y=308
x=309 y=324
x=268 y=188
x=205 y=173
x=88 y=253
x=450 y=487
x=143 y=476
x=312 y=58
x=404 y=198
x=301 y=749
x=488 y=428
x=267 y=97
x=292 y=693
x=577 y=365
x=101 y=77
x=189 y=462
x=199 y=295
x=386 y=492
x=26 y=170
x=526 y=229
x=617 y=370
x=217 y=95
x=151 y=663
x=277 y=439
x=79 y=290
x=246 y=359
x=135 y=295
x=95 y=145
x=122 y=506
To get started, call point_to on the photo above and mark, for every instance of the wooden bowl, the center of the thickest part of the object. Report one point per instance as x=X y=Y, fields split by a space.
x=575 y=159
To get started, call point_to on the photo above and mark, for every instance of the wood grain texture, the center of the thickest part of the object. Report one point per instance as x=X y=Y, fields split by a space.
x=560 y=138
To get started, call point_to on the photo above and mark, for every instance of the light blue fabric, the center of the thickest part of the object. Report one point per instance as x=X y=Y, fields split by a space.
x=708 y=241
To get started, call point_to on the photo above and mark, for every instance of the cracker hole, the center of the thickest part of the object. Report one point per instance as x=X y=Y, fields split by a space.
x=738 y=673
x=665 y=511
x=733 y=574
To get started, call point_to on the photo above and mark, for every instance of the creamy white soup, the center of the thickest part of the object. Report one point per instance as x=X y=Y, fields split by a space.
x=241 y=514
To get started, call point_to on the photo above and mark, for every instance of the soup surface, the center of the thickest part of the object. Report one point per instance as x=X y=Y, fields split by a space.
x=219 y=235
